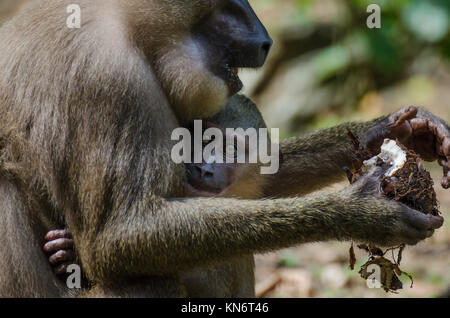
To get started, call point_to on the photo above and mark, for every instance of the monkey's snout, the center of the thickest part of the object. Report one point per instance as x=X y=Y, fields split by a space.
x=204 y=171
x=263 y=51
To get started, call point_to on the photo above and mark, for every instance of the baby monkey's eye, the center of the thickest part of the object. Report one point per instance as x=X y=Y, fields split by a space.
x=230 y=150
x=206 y=141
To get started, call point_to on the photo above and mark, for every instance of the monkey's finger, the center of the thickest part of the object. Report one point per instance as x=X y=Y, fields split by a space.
x=419 y=125
x=412 y=236
x=421 y=221
x=61 y=269
x=61 y=256
x=446 y=179
x=376 y=172
x=56 y=234
x=404 y=114
x=446 y=147
x=443 y=137
x=349 y=174
x=445 y=182
x=445 y=163
x=58 y=244
x=370 y=183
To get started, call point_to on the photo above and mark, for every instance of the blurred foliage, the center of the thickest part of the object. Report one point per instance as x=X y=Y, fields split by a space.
x=346 y=59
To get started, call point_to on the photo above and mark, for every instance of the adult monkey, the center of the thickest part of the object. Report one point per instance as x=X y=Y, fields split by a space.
x=121 y=68
x=86 y=122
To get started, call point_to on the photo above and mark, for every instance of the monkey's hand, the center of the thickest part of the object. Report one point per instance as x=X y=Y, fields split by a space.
x=419 y=130
x=59 y=245
x=386 y=222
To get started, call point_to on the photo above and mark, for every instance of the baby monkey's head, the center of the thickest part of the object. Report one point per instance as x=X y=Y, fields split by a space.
x=229 y=179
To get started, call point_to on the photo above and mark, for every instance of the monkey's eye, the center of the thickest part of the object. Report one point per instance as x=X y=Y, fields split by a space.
x=207 y=141
x=230 y=151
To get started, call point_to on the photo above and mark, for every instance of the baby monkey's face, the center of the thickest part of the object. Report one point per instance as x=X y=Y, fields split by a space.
x=212 y=178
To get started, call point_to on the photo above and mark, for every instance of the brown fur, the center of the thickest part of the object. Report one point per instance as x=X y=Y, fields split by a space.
x=298 y=175
x=88 y=119
x=315 y=160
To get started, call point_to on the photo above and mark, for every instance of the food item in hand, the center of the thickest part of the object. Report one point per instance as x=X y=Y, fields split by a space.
x=405 y=180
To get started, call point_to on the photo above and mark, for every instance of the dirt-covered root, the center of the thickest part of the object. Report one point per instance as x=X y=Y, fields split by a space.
x=404 y=180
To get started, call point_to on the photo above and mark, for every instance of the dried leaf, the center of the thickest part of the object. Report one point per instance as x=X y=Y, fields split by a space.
x=352 y=257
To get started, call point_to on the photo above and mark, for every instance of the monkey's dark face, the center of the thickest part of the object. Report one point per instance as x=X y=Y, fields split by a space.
x=234 y=38
x=213 y=178
x=197 y=63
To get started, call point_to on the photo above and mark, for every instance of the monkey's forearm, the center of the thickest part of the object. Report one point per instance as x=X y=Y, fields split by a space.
x=184 y=234
x=315 y=160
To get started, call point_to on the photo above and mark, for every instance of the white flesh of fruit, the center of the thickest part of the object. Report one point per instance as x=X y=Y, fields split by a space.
x=391 y=153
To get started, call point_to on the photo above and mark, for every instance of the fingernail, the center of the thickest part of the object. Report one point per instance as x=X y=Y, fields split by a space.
x=446 y=182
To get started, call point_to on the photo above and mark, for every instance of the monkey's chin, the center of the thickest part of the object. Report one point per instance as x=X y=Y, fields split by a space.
x=235 y=87
x=230 y=75
x=204 y=102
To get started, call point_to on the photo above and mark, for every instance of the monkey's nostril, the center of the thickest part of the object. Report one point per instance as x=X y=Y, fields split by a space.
x=204 y=172
x=266 y=46
x=198 y=169
x=264 y=49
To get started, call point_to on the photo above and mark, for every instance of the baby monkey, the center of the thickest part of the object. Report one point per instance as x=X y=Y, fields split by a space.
x=240 y=180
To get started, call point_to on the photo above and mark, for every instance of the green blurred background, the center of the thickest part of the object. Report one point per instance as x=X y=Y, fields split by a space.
x=327 y=67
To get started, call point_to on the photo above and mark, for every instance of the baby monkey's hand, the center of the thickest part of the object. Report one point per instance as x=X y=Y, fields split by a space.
x=60 y=248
